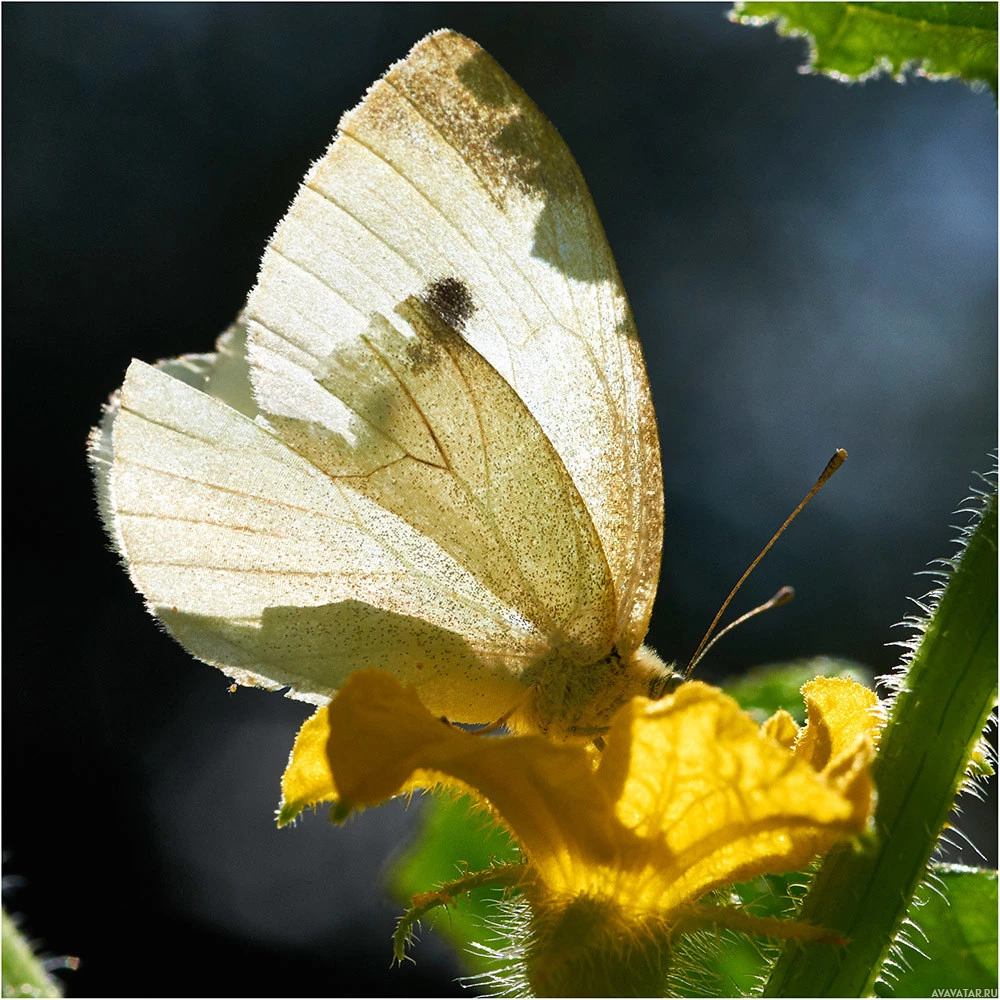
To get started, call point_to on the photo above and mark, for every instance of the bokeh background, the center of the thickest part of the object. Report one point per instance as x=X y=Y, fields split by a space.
x=811 y=266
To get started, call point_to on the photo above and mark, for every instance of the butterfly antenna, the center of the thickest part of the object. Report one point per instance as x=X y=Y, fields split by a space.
x=784 y=595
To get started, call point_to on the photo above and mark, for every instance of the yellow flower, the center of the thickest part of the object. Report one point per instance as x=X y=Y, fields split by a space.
x=689 y=795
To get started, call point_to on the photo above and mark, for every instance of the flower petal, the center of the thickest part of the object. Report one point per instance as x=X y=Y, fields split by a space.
x=712 y=800
x=689 y=794
x=781 y=727
x=307 y=780
x=382 y=737
x=840 y=712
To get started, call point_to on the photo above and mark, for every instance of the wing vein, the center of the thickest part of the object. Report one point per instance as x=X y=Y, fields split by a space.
x=456 y=229
x=479 y=181
x=430 y=240
x=246 y=528
x=416 y=406
x=406 y=561
x=539 y=157
x=312 y=511
x=395 y=250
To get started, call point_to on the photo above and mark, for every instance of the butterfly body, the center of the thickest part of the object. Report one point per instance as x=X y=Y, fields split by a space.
x=570 y=700
x=427 y=445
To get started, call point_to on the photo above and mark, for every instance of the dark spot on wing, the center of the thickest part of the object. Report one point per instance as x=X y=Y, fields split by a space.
x=450 y=301
x=422 y=356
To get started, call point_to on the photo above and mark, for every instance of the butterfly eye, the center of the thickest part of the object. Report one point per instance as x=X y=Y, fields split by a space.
x=664 y=684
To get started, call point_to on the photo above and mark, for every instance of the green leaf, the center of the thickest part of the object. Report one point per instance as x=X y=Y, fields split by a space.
x=23 y=974
x=935 y=722
x=855 y=41
x=767 y=688
x=957 y=935
x=956 y=939
x=454 y=838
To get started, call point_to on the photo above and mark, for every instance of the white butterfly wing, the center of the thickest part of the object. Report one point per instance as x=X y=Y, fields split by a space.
x=260 y=563
x=447 y=184
x=384 y=497
x=436 y=436
x=224 y=374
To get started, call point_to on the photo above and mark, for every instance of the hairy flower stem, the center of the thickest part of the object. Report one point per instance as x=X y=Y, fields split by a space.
x=935 y=721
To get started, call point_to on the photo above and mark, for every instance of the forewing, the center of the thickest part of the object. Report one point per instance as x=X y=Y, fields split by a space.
x=447 y=184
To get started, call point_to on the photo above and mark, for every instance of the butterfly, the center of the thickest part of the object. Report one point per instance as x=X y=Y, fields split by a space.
x=427 y=444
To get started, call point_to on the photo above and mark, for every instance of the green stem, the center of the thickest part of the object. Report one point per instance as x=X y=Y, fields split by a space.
x=23 y=974
x=935 y=722
x=507 y=875
x=716 y=917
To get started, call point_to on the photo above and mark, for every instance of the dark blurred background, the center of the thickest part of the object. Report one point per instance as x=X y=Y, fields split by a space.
x=811 y=266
